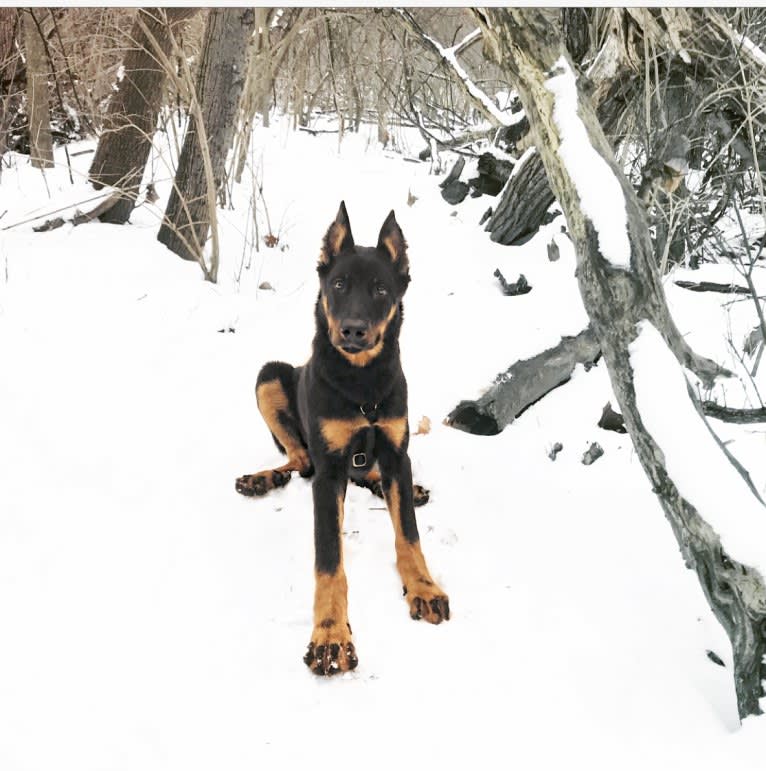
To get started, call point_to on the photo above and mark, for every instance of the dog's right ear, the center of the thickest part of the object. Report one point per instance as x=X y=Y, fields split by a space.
x=338 y=237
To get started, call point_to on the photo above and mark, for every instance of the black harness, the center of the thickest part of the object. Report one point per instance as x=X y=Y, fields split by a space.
x=362 y=454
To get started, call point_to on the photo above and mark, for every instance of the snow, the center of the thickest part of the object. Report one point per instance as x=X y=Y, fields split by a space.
x=153 y=619
x=599 y=191
x=720 y=495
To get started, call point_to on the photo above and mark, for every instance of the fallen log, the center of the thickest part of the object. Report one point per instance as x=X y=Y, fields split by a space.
x=733 y=414
x=712 y=286
x=523 y=384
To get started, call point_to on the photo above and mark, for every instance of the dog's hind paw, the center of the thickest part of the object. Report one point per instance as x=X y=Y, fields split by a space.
x=420 y=496
x=262 y=482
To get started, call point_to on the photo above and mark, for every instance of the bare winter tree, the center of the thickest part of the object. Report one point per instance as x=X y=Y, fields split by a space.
x=10 y=66
x=190 y=212
x=40 y=138
x=620 y=286
x=129 y=125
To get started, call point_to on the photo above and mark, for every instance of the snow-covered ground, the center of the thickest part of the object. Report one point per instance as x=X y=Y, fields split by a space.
x=152 y=618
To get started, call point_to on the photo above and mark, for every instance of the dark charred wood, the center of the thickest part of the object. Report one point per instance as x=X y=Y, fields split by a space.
x=555 y=450
x=455 y=192
x=493 y=174
x=611 y=420
x=712 y=286
x=524 y=384
x=733 y=414
x=508 y=137
x=520 y=286
x=592 y=454
x=484 y=217
x=454 y=173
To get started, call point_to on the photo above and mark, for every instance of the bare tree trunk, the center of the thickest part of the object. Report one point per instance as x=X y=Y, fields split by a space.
x=220 y=83
x=40 y=139
x=622 y=293
x=9 y=69
x=124 y=147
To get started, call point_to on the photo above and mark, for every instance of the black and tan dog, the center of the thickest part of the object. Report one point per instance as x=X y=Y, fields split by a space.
x=343 y=415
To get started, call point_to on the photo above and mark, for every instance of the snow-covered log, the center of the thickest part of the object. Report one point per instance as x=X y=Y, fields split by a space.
x=718 y=520
x=523 y=384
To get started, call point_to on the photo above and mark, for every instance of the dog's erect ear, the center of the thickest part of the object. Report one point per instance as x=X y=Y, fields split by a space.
x=338 y=237
x=391 y=240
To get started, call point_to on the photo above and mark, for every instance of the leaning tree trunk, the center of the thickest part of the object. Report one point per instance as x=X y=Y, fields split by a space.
x=623 y=295
x=191 y=208
x=525 y=200
x=129 y=125
x=40 y=139
x=700 y=36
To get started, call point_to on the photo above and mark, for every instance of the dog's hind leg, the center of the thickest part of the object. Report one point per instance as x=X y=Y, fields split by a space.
x=275 y=392
x=372 y=481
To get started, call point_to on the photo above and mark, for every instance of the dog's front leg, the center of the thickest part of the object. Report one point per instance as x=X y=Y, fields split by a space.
x=330 y=650
x=426 y=599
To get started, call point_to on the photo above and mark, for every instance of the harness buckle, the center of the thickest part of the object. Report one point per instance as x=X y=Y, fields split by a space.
x=359 y=460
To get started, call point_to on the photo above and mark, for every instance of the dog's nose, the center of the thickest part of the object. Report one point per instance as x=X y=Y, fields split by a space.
x=353 y=330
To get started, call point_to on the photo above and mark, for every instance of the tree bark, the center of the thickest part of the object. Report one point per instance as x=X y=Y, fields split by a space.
x=40 y=139
x=623 y=300
x=129 y=125
x=220 y=82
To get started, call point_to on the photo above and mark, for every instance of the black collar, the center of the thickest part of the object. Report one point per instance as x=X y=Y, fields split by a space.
x=370 y=411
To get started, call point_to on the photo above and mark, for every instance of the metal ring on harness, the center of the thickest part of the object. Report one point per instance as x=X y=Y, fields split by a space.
x=359 y=460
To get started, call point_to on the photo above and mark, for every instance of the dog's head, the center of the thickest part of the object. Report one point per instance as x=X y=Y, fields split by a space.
x=361 y=287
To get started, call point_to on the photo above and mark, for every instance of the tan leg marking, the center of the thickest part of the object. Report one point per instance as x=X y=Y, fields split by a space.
x=331 y=649
x=272 y=400
x=395 y=429
x=426 y=599
x=339 y=433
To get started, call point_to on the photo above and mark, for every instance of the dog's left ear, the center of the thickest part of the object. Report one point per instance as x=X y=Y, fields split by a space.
x=391 y=240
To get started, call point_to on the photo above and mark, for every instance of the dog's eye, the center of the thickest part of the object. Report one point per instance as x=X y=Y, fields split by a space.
x=339 y=283
x=380 y=290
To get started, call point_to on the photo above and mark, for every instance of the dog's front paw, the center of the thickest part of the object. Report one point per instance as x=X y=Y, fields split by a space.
x=261 y=483
x=427 y=601
x=330 y=650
